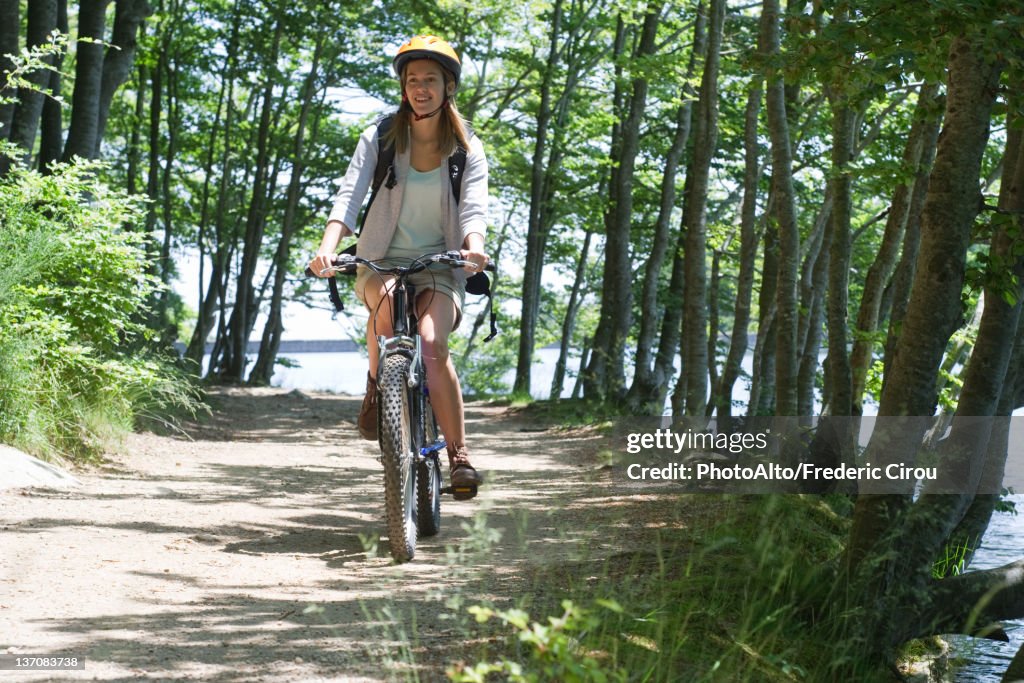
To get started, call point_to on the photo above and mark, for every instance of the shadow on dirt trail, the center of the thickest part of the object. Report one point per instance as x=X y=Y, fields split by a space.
x=251 y=549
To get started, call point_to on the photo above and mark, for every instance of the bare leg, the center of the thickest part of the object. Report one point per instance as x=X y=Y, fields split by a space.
x=437 y=318
x=378 y=300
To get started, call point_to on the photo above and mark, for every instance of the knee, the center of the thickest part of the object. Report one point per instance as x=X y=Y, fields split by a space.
x=435 y=349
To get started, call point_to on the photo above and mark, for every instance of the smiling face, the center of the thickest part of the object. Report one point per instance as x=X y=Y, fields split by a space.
x=424 y=85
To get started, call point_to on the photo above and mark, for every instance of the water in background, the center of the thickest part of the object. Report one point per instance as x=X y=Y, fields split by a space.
x=345 y=373
x=1003 y=543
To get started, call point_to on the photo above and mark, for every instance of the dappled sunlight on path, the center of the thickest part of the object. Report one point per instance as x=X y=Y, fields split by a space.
x=250 y=547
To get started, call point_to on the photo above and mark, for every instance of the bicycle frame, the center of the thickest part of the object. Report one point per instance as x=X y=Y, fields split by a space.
x=404 y=319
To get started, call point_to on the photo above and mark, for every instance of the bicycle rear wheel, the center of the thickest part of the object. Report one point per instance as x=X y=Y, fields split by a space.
x=398 y=457
x=428 y=479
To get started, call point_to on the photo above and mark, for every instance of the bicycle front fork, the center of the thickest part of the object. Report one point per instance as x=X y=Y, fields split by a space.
x=406 y=345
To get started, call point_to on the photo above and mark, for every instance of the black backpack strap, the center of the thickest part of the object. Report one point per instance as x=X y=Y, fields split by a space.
x=385 y=169
x=456 y=166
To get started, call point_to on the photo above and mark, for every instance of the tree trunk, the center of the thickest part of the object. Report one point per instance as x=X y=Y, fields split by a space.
x=271 y=340
x=882 y=268
x=695 y=221
x=241 y=314
x=934 y=517
x=84 y=130
x=173 y=125
x=783 y=202
x=606 y=370
x=135 y=141
x=905 y=269
x=648 y=380
x=810 y=342
x=156 y=103
x=594 y=378
x=119 y=58
x=813 y=284
x=51 y=134
x=569 y=323
x=10 y=26
x=714 y=323
x=762 y=384
x=208 y=304
x=42 y=20
x=969 y=531
x=538 y=225
x=748 y=252
x=839 y=395
x=934 y=310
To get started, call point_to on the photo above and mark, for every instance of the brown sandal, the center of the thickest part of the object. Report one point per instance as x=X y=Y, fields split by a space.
x=464 y=477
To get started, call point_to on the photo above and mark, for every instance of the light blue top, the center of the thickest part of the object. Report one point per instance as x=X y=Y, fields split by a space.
x=419 y=228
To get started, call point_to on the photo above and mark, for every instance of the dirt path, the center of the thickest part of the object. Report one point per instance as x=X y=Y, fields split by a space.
x=246 y=551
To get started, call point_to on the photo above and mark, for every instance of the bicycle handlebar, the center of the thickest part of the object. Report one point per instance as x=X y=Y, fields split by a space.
x=346 y=263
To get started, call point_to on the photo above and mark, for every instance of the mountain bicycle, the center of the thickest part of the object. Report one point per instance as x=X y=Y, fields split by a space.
x=410 y=442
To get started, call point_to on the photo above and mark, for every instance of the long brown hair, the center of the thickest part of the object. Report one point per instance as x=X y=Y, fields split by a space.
x=453 y=131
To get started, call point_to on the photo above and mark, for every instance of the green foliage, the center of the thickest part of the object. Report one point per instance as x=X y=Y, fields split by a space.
x=954 y=558
x=483 y=371
x=732 y=589
x=74 y=366
x=873 y=383
x=554 y=651
x=1004 y=504
x=29 y=61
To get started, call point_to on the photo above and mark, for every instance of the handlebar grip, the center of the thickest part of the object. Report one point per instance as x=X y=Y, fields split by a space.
x=455 y=255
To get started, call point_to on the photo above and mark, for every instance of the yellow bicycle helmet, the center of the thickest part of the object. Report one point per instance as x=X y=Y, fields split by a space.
x=428 y=47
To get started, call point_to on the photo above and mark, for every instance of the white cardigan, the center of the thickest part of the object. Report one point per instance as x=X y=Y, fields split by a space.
x=459 y=220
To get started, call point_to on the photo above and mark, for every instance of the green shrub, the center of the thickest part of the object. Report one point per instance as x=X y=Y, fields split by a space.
x=553 y=649
x=76 y=363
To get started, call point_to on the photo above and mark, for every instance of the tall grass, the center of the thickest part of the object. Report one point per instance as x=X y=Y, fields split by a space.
x=736 y=597
x=76 y=367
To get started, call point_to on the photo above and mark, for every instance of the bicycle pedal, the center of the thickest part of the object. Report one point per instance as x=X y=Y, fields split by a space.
x=461 y=492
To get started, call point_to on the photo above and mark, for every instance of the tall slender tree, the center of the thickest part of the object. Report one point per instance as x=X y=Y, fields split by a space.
x=605 y=375
x=10 y=24
x=784 y=216
x=83 y=133
x=650 y=378
x=41 y=21
x=695 y=220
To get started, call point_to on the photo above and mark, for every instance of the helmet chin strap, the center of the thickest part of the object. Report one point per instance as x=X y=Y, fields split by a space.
x=419 y=117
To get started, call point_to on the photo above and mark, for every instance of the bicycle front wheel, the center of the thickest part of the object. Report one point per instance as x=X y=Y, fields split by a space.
x=398 y=457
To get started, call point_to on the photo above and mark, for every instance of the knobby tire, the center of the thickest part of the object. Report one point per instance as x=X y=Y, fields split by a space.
x=428 y=480
x=397 y=456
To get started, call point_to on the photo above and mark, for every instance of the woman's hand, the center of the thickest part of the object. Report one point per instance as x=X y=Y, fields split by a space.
x=477 y=256
x=473 y=250
x=328 y=244
x=320 y=264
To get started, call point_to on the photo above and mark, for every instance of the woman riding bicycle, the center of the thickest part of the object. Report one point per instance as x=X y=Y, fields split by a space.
x=416 y=213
